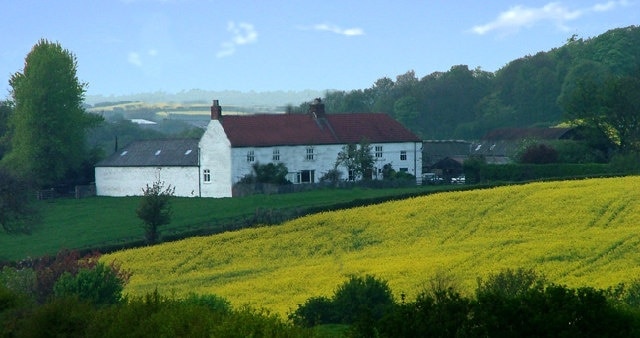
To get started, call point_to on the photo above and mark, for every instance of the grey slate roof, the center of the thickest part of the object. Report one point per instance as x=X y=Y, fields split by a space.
x=155 y=153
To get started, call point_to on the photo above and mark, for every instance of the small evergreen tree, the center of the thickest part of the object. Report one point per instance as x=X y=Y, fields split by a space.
x=155 y=209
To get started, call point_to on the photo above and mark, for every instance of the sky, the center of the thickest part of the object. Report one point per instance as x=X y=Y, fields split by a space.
x=140 y=46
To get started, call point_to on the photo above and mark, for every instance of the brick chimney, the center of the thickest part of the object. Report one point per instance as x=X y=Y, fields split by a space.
x=216 y=111
x=316 y=109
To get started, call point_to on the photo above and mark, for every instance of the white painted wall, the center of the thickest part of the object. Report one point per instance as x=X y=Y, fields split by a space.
x=215 y=155
x=129 y=181
x=295 y=158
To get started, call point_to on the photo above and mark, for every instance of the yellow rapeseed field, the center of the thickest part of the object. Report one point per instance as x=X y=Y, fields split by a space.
x=577 y=233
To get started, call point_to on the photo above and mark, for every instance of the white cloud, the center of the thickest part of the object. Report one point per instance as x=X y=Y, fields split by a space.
x=242 y=34
x=134 y=59
x=335 y=29
x=517 y=17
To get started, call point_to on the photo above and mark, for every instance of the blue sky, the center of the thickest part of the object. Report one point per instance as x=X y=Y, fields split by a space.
x=135 y=46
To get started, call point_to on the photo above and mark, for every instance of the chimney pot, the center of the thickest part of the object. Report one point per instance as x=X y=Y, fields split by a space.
x=316 y=109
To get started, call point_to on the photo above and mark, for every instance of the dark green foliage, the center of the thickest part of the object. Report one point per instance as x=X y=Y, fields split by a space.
x=332 y=176
x=60 y=317
x=271 y=173
x=362 y=298
x=150 y=316
x=509 y=283
x=472 y=168
x=552 y=310
x=155 y=209
x=570 y=151
x=610 y=105
x=48 y=123
x=388 y=173
x=357 y=159
x=528 y=172
x=539 y=154
x=435 y=313
x=360 y=301
x=16 y=211
x=512 y=303
x=211 y=302
x=19 y=280
x=49 y=269
x=315 y=311
x=98 y=285
x=533 y=90
x=6 y=109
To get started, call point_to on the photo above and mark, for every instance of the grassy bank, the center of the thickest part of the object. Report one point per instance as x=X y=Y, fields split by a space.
x=107 y=222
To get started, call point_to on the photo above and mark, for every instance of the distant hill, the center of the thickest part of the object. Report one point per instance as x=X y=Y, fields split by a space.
x=231 y=97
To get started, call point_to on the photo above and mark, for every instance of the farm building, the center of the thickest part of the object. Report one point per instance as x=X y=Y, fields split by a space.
x=307 y=144
x=498 y=145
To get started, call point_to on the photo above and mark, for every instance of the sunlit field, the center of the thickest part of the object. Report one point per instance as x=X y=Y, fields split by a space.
x=577 y=233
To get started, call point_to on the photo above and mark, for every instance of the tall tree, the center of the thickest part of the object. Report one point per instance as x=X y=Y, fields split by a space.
x=48 y=122
x=613 y=107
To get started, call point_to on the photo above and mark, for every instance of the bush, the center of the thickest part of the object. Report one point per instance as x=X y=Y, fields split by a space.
x=315 y=311
x=49 y=269
x=360 y=301
x=19 y=280
x=98 y=285
x=211 y=302
x=509 y=283
x=61 y=317
x=539 y=154
x=435 y=313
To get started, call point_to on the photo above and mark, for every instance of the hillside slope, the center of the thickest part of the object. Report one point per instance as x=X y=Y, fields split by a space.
x=577 y=233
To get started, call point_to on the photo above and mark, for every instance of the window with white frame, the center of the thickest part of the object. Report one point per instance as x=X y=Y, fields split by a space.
x=206 y=176
x=307 y=176
x=276 y=155
x=310 y=154
x=403 y=155
x=378 y=150
x=251 y=156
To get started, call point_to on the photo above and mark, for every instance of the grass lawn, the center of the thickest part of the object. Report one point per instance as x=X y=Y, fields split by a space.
x=111 y=221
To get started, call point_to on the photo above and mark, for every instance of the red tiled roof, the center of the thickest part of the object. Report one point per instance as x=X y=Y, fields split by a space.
x=302 y=129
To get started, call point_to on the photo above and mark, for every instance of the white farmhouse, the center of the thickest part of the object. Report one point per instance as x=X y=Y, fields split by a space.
x=307 y=144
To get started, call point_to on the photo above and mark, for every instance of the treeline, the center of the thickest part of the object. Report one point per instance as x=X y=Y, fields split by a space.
x=464 y=103
x=511 y=303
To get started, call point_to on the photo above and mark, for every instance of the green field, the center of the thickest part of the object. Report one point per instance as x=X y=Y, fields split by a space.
x=106 y=221
x=577 y=233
